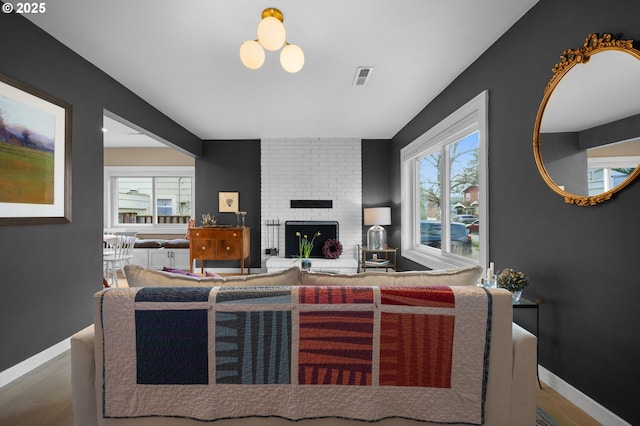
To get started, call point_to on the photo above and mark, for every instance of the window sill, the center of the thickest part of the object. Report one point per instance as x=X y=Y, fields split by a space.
x=435 y=259
x=150 y=229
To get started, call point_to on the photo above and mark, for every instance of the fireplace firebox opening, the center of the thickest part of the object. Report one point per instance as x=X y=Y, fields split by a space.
x=328 y=230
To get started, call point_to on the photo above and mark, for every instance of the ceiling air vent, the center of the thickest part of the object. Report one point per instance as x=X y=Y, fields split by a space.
x=362 y=76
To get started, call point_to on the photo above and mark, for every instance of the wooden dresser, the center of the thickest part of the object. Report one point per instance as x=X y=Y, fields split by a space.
x=220 y=243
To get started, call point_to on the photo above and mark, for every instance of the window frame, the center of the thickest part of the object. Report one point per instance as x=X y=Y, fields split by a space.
x=110 y=195
x=472 y=115
x=609 y=163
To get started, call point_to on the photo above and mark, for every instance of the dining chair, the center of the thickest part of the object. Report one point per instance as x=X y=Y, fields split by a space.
x=118 y=251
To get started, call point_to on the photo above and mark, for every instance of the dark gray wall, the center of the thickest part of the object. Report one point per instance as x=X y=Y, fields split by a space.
x=565 y=161
x=230 y=166
x=50 y=272
x=376 y=182
x=582 y=260
x=627 y=128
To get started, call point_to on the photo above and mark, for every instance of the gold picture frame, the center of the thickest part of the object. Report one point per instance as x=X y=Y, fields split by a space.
x=35 y=155
x=228 y=202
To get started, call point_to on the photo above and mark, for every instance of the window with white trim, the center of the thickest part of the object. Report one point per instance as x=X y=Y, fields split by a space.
x=605 y=173
x=148 y=197
x=444 y=191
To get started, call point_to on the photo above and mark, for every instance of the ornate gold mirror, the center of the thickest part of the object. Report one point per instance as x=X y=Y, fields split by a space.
x=586 y=139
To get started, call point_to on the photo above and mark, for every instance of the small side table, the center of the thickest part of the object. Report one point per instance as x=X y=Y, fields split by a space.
x=529 y=304
x=377 y=258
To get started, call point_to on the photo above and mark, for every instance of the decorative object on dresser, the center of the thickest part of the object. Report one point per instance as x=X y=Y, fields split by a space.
x=377 y=235
x=220 y=243
x=191 y=223
x=208 y=220
x=240 y=218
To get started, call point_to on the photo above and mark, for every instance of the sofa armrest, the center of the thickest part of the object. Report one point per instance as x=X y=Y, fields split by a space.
x=83 y=391
x=523 y=379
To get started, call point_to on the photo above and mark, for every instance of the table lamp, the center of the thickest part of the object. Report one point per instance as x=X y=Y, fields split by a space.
x=377 y=235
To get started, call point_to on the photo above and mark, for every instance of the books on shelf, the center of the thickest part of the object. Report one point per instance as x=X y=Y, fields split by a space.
x=377 y=262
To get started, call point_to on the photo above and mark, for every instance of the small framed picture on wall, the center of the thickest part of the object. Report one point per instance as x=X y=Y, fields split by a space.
x=228 y=202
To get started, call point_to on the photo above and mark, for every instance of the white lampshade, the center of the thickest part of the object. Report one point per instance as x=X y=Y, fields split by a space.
x=292 y=58
x=252 y=54
x=271 y=33
x=377 y=216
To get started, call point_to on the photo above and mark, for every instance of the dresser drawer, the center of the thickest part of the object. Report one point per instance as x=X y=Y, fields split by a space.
x=229 y=235
x=202 y=248
x=229 y=249
x=199 y=233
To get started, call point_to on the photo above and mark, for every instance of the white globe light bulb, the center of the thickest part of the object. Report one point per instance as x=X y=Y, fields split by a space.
x=292 y=58
x=271 y=33
x=252 y=54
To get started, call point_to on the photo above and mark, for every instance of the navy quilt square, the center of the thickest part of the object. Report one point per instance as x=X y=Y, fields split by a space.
x=173 y=294
x=171 y=347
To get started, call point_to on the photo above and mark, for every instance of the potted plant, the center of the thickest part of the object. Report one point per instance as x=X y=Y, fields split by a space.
x=304 y=249
x=514 y=281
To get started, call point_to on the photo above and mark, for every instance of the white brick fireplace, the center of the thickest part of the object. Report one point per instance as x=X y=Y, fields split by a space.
x=311 y=169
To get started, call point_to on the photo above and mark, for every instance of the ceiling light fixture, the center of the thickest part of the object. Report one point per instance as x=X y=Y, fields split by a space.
x=271 y=36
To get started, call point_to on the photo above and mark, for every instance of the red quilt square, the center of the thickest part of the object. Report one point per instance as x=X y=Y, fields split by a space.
x=335 y=295
x=335 y=348
x=416 y=350
x=440 y=297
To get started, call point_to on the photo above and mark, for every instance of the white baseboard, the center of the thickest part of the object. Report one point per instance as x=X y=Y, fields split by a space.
x=10 y=374
x=579 y=399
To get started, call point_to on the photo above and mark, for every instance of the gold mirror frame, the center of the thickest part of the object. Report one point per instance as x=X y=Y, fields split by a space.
x=593 y=44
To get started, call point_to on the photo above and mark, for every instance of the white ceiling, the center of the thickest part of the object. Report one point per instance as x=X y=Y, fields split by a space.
x=613 y=93
x=182 y=57
x=119 y=135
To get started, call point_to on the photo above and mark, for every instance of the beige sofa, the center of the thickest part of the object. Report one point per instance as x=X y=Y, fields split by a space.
x=510 y=396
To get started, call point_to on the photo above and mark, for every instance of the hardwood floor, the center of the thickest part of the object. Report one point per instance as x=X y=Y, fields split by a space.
x=43 y=398
x=562 y=411
x=39 y=398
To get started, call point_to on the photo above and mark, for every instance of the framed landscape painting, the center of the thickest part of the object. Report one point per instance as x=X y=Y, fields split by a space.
x=35 y=156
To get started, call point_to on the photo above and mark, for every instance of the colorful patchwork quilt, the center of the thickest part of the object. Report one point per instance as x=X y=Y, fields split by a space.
x=365 y=353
